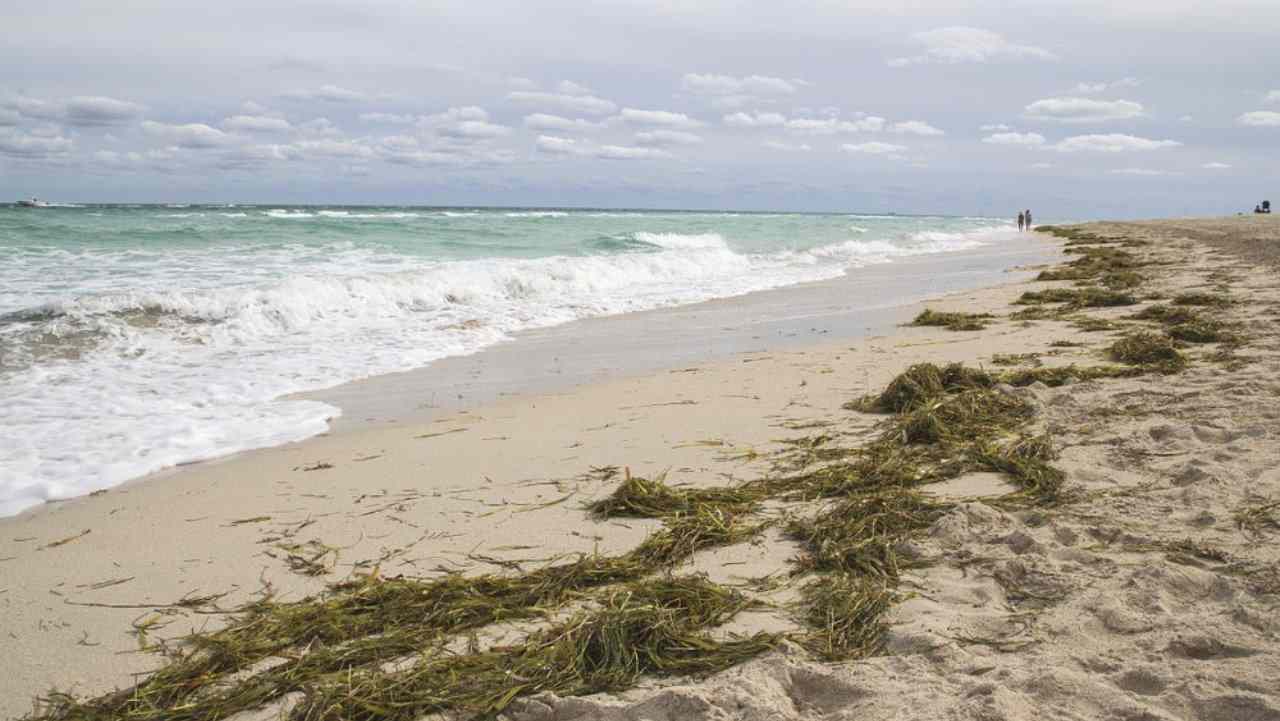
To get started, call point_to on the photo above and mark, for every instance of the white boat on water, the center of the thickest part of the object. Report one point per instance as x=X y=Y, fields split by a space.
x=33 y=203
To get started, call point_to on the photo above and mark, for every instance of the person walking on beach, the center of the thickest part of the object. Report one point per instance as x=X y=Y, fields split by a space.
x=1021 y=222
x=1027 y=213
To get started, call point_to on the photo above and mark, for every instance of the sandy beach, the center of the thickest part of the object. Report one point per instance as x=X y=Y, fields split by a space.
x=1146 y=587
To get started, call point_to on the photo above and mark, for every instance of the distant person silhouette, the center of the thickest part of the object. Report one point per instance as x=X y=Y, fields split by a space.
x=1028 y=214
x=1021 y=222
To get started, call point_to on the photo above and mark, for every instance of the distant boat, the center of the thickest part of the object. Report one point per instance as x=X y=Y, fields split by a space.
x=33 y=203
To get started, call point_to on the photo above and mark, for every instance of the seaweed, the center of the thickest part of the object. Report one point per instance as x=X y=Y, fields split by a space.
x=858 y=535
x=1203 y=299
x=918 y=384
x=643 y=498
x=846 y=615
x=952 y=321
x=1077 y=297
x=1014 y=359
x=1258 y=514
x=651 y=628
x=1204 y=330
x=1062 y=375
x=1166 y=314
x=1142 y=348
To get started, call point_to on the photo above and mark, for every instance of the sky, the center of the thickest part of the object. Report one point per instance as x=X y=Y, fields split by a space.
x=1078 y=109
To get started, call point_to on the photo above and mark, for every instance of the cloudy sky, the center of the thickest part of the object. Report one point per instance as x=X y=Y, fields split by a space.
x=1078 y=109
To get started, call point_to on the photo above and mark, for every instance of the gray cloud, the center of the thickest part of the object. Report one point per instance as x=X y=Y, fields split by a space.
x=98 y=110
x=82 y=111
x=17 y=144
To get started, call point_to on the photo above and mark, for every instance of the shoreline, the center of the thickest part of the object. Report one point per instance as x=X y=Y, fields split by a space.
x=426 y=497
x=558 y=358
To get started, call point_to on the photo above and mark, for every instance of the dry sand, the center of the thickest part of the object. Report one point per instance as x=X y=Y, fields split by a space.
x=1082 y=611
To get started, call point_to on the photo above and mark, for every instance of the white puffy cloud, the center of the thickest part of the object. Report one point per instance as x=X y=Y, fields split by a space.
x=568 y=87
x=98 y=110
x=758 y=120
x=328 y=93
x=836 y=126
x=788 y=147
x=664 y=118
x=741 y=86
x=1215 y=166
x=188 y=135
x=995 y=128
x=873 y=148
x=33 y=146
x=387 y=118
x=553 y=145
x=585 y=104
x=915 y=127
x=1024 y=139
x=464 y=123
x=1260 y=119
x=521 y=83
x=667 y=137
x=1095 y=88
x=544 y=121
x=474 y=129
x=954 y=45
x=257 y=124
x=1042 y=165
x=1272 y=97
x=1110 y=143
x=1083 y=110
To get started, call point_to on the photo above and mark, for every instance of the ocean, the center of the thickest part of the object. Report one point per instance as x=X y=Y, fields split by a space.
x=135 y=338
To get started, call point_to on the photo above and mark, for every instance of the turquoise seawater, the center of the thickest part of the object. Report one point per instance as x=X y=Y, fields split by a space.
x=136 y=337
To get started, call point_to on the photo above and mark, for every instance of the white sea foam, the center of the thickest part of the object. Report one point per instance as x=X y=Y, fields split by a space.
x=858 y=229
x=170 y=355
x=389 y=215
x=537 y=214
x=677 y=241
